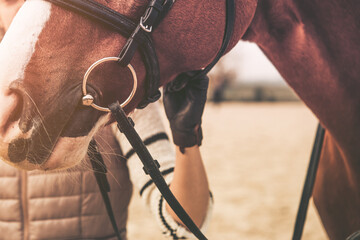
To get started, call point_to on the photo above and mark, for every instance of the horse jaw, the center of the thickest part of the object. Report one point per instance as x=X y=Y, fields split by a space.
x=70 y=151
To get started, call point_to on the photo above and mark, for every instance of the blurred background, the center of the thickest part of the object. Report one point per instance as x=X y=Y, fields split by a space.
x=256 y=148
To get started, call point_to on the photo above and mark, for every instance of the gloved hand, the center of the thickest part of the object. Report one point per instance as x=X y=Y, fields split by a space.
x=184 y=101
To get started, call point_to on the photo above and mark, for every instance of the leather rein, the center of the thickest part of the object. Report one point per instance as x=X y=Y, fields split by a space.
x=139 y=38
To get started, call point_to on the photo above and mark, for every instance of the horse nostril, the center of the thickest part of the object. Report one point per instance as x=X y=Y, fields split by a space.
x=10 y=112
x=22 y=112
x=16 y=112
x=13 y=111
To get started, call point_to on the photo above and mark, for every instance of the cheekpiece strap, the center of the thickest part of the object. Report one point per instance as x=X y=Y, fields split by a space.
x=153 y=13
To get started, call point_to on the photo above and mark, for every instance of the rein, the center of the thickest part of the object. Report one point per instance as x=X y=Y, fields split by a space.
x=309 y=183
x=139 y=37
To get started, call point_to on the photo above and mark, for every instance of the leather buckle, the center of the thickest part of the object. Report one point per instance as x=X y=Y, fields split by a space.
x=146 y=28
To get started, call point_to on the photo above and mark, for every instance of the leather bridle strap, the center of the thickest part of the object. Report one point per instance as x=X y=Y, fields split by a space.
x=151 y=167
x=100 y=171
x=138 y=37
x=309 y=183
x=155 y=11
x=228 y=33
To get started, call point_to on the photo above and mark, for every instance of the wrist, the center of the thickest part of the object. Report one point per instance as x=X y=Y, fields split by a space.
x=188 y=150
x=186 y=139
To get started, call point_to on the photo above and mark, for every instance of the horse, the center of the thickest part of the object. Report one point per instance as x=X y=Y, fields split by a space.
x=313 y=44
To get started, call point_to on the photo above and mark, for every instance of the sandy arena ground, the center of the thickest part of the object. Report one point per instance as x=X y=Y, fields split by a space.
x=256 y=157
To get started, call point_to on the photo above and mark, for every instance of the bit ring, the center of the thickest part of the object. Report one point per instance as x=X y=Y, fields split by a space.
x=88 y=100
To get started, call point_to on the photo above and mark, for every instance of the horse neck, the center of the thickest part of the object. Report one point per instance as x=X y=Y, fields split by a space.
x=311 y=43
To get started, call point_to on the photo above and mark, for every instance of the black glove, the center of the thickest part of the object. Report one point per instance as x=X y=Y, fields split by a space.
x=184 y=101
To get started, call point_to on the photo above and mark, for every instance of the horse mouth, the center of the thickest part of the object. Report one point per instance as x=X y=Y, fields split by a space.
x=66 y=153
x=48 y=149
x=31 y=154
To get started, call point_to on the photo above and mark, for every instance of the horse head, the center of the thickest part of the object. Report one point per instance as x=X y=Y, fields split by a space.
x=47 y=50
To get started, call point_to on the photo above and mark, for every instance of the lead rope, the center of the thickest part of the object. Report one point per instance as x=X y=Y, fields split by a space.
x=309 y=183
x=151 y=167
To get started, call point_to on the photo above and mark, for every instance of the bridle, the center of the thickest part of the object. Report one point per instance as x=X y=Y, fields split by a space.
x=139 y=38
x=138 y=35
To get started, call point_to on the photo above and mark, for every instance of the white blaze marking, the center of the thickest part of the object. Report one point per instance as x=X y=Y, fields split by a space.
x=16 y=50
x=18 y=44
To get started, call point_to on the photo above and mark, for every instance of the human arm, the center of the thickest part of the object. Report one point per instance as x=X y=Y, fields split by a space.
x=184 y=106
x=190 y=185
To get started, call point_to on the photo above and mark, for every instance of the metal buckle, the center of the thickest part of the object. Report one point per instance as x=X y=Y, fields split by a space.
x=88 y=100
x=146 y=28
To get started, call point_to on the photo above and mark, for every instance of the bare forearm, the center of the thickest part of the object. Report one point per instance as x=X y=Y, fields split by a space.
x=190 y=185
